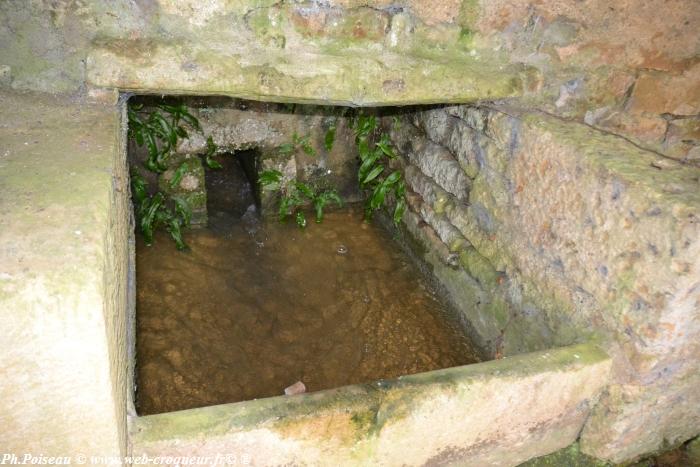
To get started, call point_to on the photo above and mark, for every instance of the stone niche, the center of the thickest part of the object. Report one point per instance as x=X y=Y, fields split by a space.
x=289 y=138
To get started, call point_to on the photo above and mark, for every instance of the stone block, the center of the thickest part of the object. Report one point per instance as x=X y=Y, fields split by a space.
x=463 y=142
x=64 y=232
x=407 y=137
x=682 y=138
x=648 y=129
x=431 y=159
x=594 y=220
x=649 y=418
x=659 y=93
x=449 y=235
x=474 y=223
x=439 y=164
x=498 y=127
x=431 y=192
x=230 y=63
x=425 y=235
x=357 y=24
x=235 y=126
x=436 y=123
x=483 y=308
x=475 y=117
x=478 y=267
x=608 y=87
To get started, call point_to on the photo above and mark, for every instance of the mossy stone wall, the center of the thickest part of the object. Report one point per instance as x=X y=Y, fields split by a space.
x=630 y=69
x=547 y=233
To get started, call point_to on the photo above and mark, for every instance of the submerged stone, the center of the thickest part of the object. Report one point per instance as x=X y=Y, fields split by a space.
x=294 y=389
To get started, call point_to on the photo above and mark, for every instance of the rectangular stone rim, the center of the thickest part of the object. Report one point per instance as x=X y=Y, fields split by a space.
x=238 y=416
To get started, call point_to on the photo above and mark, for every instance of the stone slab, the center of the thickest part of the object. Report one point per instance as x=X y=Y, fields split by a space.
x=350 y=75
x=63 y=277
x=497 y=413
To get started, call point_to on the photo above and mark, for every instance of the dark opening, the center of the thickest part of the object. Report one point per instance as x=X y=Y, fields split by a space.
x=233 y=191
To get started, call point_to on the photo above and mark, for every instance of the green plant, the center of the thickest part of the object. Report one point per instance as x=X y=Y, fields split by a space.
x=374 y=158
x=295 y=194
x=298 y=142
x=160 y=130
x=208 y=157
x=321 y=199
x=305 y=143
x=153 y=212
x=330 y=136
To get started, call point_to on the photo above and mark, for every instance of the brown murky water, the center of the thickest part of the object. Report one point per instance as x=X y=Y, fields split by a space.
x=255 y=307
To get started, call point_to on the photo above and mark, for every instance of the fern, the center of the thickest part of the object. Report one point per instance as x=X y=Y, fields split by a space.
x=374 y=157
x=160 y=130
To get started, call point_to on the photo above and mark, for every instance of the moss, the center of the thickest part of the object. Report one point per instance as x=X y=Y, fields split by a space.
x=478 y=267
x=366 y=422
x=500 y=309
x=457 y=245
x=261 y=21
x=570 y=456
x=693 y=449
x=442 y=202
x=466 y=36
x=469 y=13
x=268 y=25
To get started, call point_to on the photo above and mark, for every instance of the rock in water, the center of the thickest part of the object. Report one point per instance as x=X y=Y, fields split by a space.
x=251 y=221
x=296 y=388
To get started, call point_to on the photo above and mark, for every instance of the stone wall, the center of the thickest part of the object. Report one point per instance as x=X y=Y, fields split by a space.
x=546 y=233
x=236 y=125
x=269 y=129
x=630 y=69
